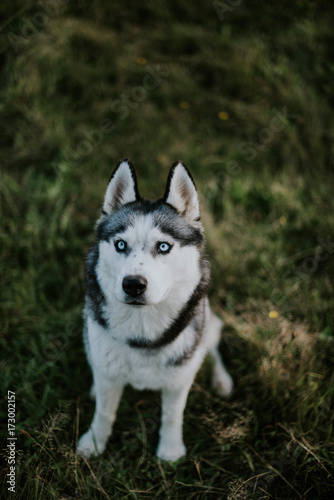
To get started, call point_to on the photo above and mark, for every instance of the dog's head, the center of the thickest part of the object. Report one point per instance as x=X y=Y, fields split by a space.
x=150 y=249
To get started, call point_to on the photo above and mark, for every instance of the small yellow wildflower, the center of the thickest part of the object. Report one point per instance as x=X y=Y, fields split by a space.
x=273 y=314
x=141 y=60
x=184 y=105
x=222 y=115
x=161 y=158
x=282 y=220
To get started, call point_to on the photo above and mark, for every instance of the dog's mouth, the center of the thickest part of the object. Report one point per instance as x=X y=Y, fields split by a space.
x=135 y=302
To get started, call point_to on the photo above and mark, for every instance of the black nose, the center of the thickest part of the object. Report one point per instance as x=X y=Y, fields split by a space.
x=134 y=285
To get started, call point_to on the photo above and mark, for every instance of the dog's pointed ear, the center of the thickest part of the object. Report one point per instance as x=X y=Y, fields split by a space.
x=122 y=187
x=181 y=192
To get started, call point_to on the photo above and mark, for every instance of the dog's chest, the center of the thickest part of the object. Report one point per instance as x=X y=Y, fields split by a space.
x=122 y=365
x=141 y=368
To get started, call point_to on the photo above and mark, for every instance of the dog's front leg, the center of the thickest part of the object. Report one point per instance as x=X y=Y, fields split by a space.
x=171 y=446
x=94 y=441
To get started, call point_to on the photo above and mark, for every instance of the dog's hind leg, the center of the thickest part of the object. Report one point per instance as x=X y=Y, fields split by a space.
x=222 y=381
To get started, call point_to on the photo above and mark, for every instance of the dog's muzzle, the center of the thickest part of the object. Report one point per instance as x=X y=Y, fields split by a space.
x=134 y=286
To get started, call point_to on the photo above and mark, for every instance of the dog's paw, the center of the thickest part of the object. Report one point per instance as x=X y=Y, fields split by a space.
x=172 y=453
x=222 y=383
x=88 y=446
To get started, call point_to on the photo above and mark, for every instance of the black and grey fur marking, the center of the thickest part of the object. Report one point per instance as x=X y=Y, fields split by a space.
x=108 y=227
x=164 y=216
x=95 y=298
x=197 y=322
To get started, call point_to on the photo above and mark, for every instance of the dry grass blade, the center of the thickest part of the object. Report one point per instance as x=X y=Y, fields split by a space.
x=305 y=445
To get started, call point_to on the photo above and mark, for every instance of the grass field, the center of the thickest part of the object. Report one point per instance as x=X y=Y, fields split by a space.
x=242 y=93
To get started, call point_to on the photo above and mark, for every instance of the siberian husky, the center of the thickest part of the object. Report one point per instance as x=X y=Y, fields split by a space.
x=148 y=322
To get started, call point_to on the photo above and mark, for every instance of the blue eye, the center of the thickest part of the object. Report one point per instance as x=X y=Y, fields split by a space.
x=120 y=246
x=164 y=247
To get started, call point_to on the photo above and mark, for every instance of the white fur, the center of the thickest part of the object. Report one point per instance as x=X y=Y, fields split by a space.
x=171 y=279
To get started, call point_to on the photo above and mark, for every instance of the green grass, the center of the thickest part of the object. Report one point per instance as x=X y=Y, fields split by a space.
x=247 y=103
